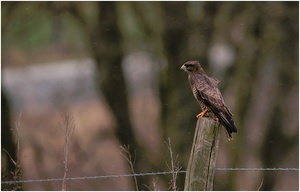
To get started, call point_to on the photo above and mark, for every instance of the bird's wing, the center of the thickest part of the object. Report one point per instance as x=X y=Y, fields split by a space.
x=208 y=90
x=212 y=98
x=214 y=80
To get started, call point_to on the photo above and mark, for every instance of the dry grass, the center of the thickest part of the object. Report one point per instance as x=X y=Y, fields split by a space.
x=67 y=125
x=131 y=162
x=174 y=167
x=93 y=140
x=16 y=174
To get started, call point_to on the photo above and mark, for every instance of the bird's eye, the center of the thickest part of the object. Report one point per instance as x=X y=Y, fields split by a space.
x=189 y=67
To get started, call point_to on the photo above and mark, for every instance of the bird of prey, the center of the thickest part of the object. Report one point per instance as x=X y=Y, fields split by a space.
x=206 y=92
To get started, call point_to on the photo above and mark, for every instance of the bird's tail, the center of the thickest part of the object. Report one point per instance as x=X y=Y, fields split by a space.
x=228 y=123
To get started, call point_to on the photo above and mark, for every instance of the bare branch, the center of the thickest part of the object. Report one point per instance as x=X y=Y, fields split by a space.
x=174 y=166
x=131 y=162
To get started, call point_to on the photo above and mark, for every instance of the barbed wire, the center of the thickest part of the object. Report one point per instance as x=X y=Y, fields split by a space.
x=92 y=177
x=257 y=169
x=143 y=174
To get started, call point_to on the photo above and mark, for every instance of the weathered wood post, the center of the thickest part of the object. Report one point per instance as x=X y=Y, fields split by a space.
x=200 y=171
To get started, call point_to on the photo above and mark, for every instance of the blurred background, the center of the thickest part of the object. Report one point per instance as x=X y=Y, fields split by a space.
x=114 y=67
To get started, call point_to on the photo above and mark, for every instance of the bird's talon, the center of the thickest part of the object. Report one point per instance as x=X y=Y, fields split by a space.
x=201 y=114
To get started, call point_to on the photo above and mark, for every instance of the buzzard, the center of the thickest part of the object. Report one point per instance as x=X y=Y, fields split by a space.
x=206 y=92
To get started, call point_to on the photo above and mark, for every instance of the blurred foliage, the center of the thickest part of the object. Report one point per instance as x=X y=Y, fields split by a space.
x=259 y=83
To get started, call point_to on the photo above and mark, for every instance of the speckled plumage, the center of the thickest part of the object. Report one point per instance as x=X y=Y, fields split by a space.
x=206 y=92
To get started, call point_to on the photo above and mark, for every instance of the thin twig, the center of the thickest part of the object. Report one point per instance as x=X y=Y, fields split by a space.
x=174 y=166
x=154 y=181
x=147 y=187
x=12 y=160
x=131 y=162
x=16 y=174
x=68 y=127
x=262 y=181
x=18 y=125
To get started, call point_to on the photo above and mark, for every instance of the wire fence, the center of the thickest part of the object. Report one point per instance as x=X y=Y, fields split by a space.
x=143 y=174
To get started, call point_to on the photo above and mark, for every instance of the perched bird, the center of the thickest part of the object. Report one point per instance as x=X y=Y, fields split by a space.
x=206 y=92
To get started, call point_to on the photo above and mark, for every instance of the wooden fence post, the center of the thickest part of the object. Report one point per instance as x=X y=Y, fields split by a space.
x=200 y=171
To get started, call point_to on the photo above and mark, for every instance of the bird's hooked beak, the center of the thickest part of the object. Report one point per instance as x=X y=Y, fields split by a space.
x=183 y=67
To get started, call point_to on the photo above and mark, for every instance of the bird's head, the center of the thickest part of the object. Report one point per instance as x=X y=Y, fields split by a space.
x=192 y=67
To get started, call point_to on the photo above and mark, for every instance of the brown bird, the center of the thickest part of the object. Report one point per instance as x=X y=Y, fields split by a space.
x=206 y=92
